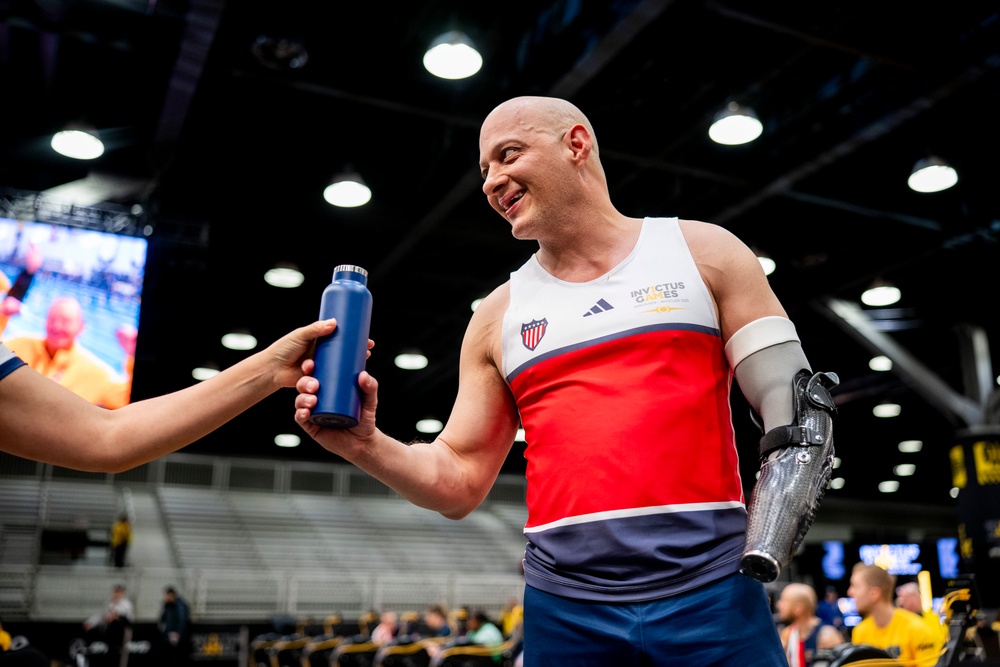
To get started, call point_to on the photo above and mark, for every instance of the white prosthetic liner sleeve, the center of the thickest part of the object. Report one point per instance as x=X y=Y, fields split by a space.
x=766 y=354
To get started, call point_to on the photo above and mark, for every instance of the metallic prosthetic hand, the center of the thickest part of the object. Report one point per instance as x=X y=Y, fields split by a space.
x=796 y=462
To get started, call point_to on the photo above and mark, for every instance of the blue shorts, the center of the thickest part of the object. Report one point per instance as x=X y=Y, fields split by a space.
x=727 y=623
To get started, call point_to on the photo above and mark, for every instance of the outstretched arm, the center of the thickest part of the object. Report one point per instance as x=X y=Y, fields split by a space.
x=43 y=421
x=453 y=473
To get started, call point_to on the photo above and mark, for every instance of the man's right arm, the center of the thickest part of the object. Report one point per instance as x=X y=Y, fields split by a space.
x=453 y=473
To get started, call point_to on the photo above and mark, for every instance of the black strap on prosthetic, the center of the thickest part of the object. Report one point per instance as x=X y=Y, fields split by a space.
x=815 y=391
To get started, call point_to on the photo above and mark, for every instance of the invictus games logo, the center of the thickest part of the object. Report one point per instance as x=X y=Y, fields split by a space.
x=532 y=333
x=658 y=292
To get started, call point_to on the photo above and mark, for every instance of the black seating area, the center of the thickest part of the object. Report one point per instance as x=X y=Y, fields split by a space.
x=336 y=643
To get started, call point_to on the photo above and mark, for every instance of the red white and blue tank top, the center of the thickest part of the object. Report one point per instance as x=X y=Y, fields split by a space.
x=622 y=384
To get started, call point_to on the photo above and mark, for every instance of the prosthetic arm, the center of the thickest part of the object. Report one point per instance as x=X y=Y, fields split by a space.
x=796 y=452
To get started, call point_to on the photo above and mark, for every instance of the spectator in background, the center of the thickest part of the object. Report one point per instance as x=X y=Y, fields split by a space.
x=482 y=630
x=4 y=638
x=60 y=356
x=901 y=633
x=121 y=538
x=112 y=625
x=828 y=609
x=174 y=629
x=387 y=627
x=436 y=620
x=804 y=633
x=511 y=616
x=908 y=598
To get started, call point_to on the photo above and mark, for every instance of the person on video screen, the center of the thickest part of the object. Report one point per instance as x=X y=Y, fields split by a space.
x=61 y=357
x=14 y=292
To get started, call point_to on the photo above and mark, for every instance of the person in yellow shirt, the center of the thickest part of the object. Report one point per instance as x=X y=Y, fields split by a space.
x=121 y=538
x=908 y=597
x=901 y=633
x=4 y=638
x=60 y=356
x=511 y=616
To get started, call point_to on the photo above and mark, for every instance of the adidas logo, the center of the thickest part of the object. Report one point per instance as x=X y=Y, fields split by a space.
x=599 y=307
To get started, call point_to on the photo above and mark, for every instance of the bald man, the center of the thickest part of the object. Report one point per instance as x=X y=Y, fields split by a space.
x=614 y=346
x=804 y=632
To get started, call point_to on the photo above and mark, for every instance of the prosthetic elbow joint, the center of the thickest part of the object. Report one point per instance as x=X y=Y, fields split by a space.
x=796 y=462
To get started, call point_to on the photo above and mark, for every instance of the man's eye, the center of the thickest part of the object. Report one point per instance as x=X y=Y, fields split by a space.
x=506 y=153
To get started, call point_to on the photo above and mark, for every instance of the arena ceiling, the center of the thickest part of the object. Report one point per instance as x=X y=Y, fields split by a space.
x=227 y=152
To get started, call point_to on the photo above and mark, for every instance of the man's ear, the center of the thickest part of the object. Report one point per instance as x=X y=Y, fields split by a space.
x=579 y=142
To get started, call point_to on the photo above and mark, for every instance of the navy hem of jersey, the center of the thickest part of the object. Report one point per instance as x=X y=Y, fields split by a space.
x=630 y=594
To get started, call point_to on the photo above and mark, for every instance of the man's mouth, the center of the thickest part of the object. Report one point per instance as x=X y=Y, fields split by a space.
x=507 y=203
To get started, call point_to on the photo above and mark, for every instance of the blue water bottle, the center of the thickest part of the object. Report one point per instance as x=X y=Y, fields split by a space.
x=340 y=357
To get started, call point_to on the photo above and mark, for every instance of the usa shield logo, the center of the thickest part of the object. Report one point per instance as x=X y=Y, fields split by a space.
x=532 y=332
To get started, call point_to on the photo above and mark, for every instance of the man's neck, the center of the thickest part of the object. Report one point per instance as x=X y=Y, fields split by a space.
x=806 y=625
x=592 y=252
x=882 y=615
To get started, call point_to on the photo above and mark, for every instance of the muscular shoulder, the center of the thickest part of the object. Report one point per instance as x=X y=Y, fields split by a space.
x=733 y=274
x=483 y=336
x=714 y=246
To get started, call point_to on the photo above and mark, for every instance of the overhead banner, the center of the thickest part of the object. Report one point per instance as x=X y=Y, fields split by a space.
x=975 y=468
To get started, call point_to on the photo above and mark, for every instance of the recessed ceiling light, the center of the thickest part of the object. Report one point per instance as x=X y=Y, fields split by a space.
x=204 y=372
x=932 y=174
x=410 y=361
x=453 y=56
x=347 y=190
x=735 y=125
x=519 y=437
x=911 y=446
x=77 y=144
x=837 y=483
x=239 y=340
x=881 y=295
x=888 y=486
x=284 y=276
x=904 y=470
x=886 y=410
x=429 y=426
x=287 y=440
x=880 y=363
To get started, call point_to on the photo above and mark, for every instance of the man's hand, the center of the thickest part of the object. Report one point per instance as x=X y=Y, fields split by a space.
x=341 y=441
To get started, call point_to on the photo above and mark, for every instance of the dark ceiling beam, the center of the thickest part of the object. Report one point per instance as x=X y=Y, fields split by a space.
x=865 y=136
x=806 y=37
x=925 y=382
x=612 y=44
x=201 y=24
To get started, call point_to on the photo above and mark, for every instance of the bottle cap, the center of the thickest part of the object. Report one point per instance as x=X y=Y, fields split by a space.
x=353 y=268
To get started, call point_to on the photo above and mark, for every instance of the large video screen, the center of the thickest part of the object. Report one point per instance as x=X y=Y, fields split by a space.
x=77 y=322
